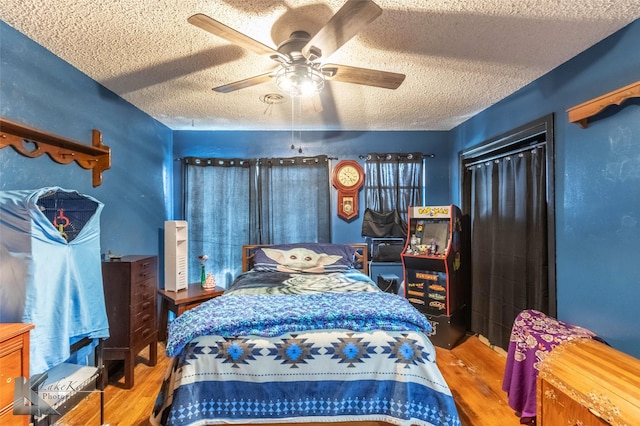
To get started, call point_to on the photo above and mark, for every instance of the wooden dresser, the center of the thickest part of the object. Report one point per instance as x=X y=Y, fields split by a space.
x=14 y=363
x=130 y=286
x=584 y=382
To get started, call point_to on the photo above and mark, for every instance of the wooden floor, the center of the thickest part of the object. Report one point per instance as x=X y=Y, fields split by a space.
x=472 y=369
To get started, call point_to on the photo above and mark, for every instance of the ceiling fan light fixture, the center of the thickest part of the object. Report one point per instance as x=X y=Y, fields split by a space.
x=300 y=80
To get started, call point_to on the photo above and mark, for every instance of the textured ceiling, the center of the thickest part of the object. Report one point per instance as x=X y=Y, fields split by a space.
x=459 y=56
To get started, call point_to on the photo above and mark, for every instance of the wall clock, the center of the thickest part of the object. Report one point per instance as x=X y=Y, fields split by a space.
x=348 y=178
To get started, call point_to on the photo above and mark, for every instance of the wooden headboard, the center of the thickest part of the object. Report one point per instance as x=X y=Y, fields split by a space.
x=361 y=264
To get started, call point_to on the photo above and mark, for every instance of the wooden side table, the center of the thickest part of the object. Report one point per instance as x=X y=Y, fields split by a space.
x=181 y=301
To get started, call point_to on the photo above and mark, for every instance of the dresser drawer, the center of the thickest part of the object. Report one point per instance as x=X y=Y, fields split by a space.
x=14 y=363
x=143 y=305
x=145 y=317
x=142 y=335
x=143 y=290
x=144 y=269
x=10 y=369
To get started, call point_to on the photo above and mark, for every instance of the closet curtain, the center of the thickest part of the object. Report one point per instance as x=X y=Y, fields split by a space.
x=393 y=182
x=293 y=200
x=217 y=202
x=509 y=241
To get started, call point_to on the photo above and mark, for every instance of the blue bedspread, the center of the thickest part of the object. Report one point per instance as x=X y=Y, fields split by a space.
x=285 y=348
x=275 y=314
x=313 y=376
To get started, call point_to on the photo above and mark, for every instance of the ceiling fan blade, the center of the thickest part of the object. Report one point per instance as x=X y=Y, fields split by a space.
x=368 y=77
x=221 y=30
x=247 y=82
x=345 y=24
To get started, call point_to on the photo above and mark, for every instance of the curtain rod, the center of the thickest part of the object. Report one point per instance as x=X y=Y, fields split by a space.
x=400 y=154
x=250 y=159
x=502 y=155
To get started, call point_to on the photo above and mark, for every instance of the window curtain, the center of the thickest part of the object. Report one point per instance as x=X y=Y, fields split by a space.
x=218 y=198
x=293 y=200
x=393 y=182
x=509 y=241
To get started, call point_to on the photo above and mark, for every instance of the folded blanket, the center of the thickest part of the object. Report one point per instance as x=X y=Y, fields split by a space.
x=273 y=315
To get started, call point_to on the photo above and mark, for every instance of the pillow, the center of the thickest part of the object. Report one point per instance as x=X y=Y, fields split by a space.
x=304 y=257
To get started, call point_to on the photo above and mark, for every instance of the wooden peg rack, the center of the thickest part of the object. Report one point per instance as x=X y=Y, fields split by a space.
x=33 y=143
x=581 y=113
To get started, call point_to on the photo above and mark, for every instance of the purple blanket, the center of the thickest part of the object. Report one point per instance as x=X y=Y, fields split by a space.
x=533 y=336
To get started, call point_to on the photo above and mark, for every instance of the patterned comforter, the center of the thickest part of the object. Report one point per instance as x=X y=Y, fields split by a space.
x=274 y=356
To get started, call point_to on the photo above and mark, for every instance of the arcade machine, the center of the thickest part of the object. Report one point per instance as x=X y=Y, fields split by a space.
x=434 y=271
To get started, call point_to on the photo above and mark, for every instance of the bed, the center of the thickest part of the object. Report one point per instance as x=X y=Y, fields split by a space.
x=303 y=336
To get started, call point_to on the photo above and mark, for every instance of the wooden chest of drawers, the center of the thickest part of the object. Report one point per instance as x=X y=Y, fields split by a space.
x=130 y=286
x=584 y=382
x=14 y=363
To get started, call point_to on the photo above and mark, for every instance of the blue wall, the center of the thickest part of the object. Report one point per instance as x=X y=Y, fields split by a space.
x=597 y=184
x=41 y=91
x=341 y=145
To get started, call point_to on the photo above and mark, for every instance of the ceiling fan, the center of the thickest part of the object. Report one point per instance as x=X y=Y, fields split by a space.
x=300 y=71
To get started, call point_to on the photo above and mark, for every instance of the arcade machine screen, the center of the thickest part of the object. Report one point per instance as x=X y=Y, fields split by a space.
x=432 y=235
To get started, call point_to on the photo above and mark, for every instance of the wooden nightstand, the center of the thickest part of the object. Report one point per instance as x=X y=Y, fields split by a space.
x=181 y=301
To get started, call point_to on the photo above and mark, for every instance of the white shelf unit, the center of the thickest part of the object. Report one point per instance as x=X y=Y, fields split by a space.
x=176 y=249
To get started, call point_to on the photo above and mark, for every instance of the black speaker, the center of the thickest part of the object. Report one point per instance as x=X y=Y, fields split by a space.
x=388 y=283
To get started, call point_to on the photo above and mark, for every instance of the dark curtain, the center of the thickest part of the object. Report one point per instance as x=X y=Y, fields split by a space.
x=509 y=241
x=393 y=182
x=232 y=202
x=293 y=200
x=217 y=205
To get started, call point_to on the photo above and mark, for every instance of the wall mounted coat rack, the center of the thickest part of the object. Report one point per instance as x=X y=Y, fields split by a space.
x=33 y=143
x=581 y=113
